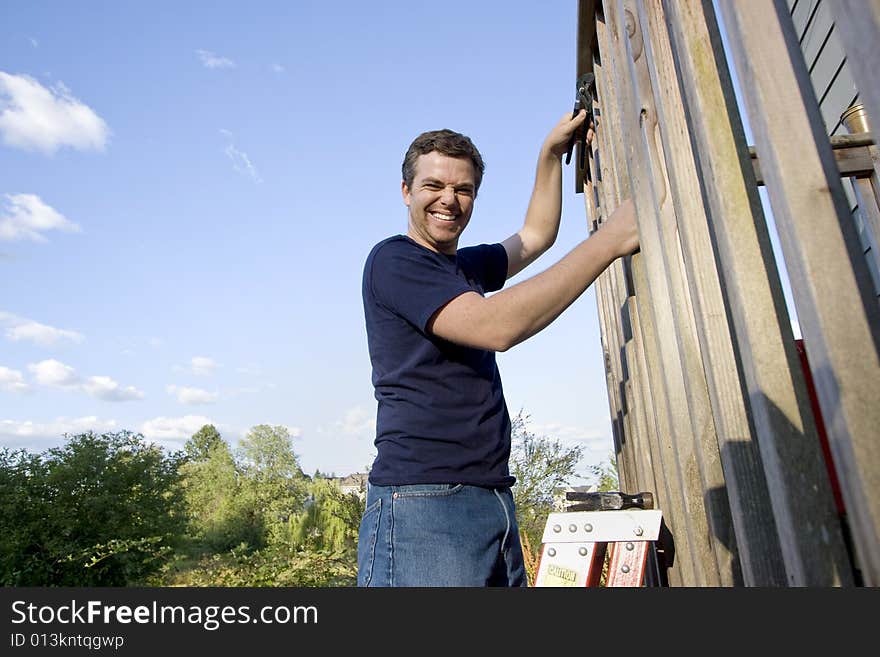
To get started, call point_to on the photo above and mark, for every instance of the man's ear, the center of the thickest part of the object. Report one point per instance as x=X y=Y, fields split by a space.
x=404 y=190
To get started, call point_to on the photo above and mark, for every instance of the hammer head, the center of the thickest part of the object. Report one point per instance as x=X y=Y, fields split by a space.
x=608 y=501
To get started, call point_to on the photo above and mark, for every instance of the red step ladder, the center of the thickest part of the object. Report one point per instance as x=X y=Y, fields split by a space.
x=575 y=542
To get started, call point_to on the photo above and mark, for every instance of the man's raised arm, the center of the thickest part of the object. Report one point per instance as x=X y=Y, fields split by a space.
x=510 y=316
x=541 y=224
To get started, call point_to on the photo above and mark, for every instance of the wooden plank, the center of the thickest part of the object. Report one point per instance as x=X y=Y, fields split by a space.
x=838 y=315
x=586 y=45
x=633 y=448
x=660 y=299
x=611 y=198
x=611 y=353
x=648 y=163
x=608 y=306
x=854 y=161
x=661 y=486
x=612 y=350
x=857 y=23
x=869 y=210
x=683 y=570
x=607 y=330
x=586 y=36
x=771 y=370
x=648 y=476
x=641 y=431
x=751 y=507
x=607 y=300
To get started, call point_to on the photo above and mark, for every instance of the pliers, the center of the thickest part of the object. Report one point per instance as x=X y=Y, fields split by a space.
x=583 y=100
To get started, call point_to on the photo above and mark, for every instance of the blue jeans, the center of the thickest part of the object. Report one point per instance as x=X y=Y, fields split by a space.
x=439 y=535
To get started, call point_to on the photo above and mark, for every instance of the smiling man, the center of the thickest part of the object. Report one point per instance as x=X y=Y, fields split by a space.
x=439 y=508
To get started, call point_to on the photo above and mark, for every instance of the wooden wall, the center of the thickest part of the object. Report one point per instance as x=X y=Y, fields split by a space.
x=710 y=405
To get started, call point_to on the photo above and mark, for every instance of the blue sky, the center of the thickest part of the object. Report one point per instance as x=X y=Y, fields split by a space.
x=188 y=193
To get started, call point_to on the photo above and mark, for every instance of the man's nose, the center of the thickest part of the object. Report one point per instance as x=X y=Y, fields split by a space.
x=447 y=196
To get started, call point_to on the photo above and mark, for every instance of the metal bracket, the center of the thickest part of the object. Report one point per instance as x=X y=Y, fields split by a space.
x=603 y=526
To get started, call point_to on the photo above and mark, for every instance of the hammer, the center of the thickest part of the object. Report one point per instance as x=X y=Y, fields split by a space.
x=609 y=501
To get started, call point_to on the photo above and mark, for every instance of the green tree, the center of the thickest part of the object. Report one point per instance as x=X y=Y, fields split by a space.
x=272 y=480
x=541 y=466
x=605 y=474
x=266 y=453
x=220 y=516
x=329 y=521
x=23 y=508
x=261 y=522
x=202 y=443
x=102 y=510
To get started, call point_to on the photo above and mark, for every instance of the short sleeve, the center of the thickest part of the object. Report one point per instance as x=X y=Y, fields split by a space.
x=487 y=263
x=413 y=282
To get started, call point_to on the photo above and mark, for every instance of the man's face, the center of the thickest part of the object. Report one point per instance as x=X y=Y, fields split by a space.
x=441 y=200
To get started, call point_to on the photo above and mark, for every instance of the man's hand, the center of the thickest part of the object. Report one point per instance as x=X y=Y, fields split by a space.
x=556 y=143
x=621 y=228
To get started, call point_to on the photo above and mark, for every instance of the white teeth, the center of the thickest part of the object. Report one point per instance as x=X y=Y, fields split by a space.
x=442 y=217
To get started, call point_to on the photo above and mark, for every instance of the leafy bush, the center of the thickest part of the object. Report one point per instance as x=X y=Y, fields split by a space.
x=103 y=510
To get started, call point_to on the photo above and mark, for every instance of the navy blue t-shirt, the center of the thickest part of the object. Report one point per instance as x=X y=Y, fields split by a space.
x=441 y=416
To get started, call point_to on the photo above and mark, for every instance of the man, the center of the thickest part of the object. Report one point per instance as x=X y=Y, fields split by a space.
x=439 y=509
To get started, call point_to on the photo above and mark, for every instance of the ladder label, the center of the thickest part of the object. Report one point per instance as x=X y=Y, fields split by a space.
x=559 y=576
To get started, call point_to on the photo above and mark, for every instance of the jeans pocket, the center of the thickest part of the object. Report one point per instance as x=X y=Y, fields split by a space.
x=427 y=490
x=367 y=535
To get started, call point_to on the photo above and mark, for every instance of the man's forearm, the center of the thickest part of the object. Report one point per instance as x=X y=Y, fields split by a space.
x=524 y=309
x=545 y=205
x=516 y=313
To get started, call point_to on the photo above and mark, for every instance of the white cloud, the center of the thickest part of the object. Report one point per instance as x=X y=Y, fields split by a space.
x=52 y=431
x=566 y=433
x=191 y=395
x=33 y=117
x=198 y=365
x=21 y=328
x=242 y=163
x=202 y=365
x=174 y=428
x=34 y=42
x=56 y=374
x=26 y=217
x=358 y=420
x=210 y=60
x=595 y=445
x=41 y=334
x=103 y=387
x=278 y=68
x=12 y=380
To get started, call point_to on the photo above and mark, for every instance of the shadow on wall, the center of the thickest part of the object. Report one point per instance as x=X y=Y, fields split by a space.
x=823 y=567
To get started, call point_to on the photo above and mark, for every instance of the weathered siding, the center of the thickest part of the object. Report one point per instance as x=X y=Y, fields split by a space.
x=835 y=91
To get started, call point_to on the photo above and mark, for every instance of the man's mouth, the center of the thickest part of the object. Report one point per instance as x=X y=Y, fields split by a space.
x=443 y=217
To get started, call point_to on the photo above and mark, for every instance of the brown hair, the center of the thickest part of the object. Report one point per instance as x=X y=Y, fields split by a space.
x=447 y=142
